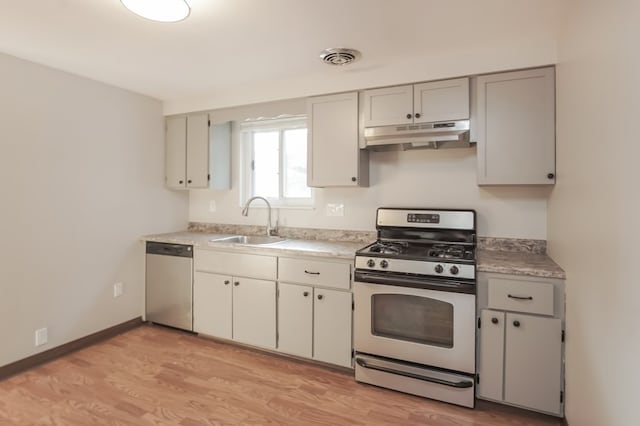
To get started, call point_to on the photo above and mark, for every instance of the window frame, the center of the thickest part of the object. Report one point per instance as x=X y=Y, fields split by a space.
x=281 y=125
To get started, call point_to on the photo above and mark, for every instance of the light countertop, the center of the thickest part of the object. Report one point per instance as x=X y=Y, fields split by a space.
x=518 y=263
x=334 y=249
x=504 y=262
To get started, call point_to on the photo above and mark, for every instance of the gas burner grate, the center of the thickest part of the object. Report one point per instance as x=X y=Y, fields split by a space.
x=449 y=252
x=388 y=248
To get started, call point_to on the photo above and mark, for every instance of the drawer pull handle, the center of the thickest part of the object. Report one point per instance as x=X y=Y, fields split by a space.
x=311 y=273
x=511 y=296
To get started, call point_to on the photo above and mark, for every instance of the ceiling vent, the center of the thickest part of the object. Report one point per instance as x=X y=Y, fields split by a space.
x=339 y=56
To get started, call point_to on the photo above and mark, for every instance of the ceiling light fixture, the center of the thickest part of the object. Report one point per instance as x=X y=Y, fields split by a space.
x=159 y=10
x=339 y=56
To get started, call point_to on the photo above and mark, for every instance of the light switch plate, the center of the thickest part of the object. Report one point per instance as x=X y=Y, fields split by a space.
x=335 y=209
x=118 y=288
x=41 y=336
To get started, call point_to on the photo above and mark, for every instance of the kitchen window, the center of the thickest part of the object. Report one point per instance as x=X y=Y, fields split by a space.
x=275 y=161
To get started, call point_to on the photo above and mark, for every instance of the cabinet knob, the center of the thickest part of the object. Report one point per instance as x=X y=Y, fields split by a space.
x=494 y=320
x=353 y=179
x=305 y=294
x=180 y=182
x=237 y=283
x=550 y=176
x=320 y=297
x=226 y=282
x=418 y=115
x=189 y=181
x=409 y=116
x=516 y=323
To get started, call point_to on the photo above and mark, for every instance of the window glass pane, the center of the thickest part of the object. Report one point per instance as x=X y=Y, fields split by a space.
x=295 y=164
x=266 y=157
x=413 y=318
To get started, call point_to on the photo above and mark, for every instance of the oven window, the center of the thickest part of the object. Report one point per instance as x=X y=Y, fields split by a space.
x=412 y=318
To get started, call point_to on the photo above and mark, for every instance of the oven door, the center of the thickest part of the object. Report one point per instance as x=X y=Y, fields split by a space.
x=428 y=327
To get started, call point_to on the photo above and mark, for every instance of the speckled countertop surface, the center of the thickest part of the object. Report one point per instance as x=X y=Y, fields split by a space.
x=498 y=255
x=334 y=249
x=518 y=263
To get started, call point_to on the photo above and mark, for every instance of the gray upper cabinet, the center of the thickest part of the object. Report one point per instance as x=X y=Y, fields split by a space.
x=515 y=127
x=444 y=100
x=441 y=101
x=388 y=106
x=334 y=156
x=197 y=155
x=197 y=151
x=176 y=152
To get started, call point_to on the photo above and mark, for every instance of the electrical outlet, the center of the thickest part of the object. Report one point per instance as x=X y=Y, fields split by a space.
x=41 y=336
x=118 y=288
x=335 y=209
x=212 y=206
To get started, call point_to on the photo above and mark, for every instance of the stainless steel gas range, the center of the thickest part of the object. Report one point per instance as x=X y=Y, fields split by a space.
x=415 y=304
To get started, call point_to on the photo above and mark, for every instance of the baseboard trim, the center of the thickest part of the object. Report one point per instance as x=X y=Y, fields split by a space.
x=46 y=356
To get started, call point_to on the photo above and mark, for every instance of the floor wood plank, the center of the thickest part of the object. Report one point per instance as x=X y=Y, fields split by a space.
x=157 y=376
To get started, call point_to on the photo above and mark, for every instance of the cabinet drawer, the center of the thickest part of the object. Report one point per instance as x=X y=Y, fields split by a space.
x=314 y=272
x=534 y=297
x=236 y=264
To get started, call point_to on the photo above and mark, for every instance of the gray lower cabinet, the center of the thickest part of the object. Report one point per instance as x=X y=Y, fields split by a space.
x=295 y=319
x=307 y=313
x=520 y=351
x=315 y=323
x=521 y=360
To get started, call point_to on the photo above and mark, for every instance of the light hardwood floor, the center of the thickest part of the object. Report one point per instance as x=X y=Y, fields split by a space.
x=157 y=376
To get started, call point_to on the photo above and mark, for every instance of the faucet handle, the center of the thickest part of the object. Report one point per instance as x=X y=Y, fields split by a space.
x=274 y=229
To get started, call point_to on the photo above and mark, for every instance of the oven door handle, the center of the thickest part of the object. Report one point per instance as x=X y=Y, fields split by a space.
x=461 y=384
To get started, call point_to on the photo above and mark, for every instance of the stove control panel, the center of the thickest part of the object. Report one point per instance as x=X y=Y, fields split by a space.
x=423 y=218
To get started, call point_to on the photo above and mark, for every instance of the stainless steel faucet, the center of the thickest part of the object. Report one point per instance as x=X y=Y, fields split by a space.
x=245 y=212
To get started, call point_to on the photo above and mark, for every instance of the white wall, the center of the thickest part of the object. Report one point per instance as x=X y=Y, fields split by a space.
x=81 y=178
x=498 y=54
x=594 y=210
x=419 y=178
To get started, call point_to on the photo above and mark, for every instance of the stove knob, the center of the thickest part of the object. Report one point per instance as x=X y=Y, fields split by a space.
x=371 y=263
x=384 y=263
x=439 y=269
x=454 y=270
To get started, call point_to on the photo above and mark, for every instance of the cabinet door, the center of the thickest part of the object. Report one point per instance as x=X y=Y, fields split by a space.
x=175 y=152
x=388 y=106
x=332 y=149
x=295 y=319
x=441 y=101
x=198 y=151
x=533 y=362
x=212 y=304
x=516 y=127
x=254 y=312
x=491 y=362
x=332 y=326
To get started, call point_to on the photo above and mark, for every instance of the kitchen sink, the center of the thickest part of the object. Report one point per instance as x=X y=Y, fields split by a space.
x=250 y=240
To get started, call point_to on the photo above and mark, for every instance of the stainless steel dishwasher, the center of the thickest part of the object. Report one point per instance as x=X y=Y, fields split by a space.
x=169 y=285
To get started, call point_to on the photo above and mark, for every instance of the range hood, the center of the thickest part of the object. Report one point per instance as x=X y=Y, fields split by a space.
x=445 y=134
